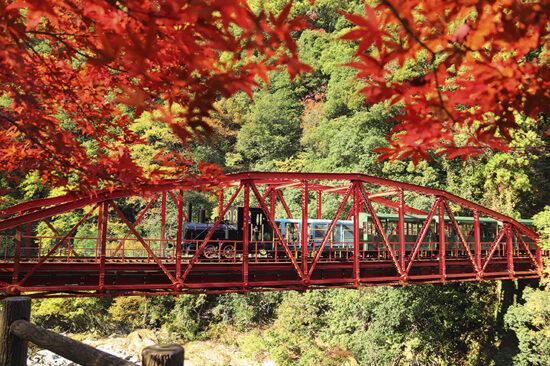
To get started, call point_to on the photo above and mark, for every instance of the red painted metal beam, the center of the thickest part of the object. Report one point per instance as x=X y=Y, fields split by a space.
x=278 y=233
x=379 y=228
x=209 y=235
x=273 y=176
x=250 y=269
x=329 y=231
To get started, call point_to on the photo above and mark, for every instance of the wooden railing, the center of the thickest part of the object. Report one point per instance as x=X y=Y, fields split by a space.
x=16 y=331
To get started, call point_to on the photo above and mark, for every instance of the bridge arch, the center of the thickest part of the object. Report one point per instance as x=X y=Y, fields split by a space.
x=373 y=237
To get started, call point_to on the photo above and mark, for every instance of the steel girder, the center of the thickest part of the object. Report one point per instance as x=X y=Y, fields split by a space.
x=109 y=264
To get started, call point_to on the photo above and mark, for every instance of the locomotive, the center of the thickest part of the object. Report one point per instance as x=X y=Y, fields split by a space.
x=227 y=239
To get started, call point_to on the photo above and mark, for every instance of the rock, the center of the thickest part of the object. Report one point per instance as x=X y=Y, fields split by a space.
x=139 y=339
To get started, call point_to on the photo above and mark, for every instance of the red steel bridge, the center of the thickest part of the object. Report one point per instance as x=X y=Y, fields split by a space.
x=369 y=236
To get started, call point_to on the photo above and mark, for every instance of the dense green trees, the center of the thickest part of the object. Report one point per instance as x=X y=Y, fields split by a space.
x=321 y=123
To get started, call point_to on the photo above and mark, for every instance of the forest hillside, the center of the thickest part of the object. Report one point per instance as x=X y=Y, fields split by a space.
x=319 y=122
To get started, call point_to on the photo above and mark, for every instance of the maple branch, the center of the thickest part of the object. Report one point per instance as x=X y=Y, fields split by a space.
x=408 y=29
x=114 y=4
x=410 y=32
x=66 y=44
x=55 y=157
x=33 y=139
x=69 y=92
x=60 y=34
x=439 y=95
x=85 y=55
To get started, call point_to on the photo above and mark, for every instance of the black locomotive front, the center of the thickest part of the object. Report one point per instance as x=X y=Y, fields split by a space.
x=227 y=238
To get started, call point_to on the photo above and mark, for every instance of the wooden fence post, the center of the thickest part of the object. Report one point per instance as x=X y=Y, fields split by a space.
x=163 y=355
x=13 y=350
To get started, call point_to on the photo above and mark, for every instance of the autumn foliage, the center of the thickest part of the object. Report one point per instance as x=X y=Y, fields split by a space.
x=72 y=69
x=75 y=74
x=474 y=63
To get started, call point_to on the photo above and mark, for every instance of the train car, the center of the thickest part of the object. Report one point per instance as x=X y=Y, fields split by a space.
x=372 y=243
x=340 y=240
x=227 y=239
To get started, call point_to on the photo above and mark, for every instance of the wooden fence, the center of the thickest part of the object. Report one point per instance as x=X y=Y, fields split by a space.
x=16 y=331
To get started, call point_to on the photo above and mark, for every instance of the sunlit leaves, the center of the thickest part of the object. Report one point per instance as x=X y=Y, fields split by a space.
x=101 y=64
x=485 y=60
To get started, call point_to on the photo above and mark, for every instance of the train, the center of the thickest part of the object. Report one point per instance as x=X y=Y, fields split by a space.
x=227 y=239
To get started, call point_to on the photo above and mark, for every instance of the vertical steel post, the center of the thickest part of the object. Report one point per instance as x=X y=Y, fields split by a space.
x=401 y=223
x=27 y=249
x=99 y=223
x=442 y=264
x=220 y=201
x=68 y=249
x=103 y=246
x=305 y=239
x=179 y=234
x=477 y=239
x=538 y=254
x=17 y=254
x=246 y=231
x=510 y=249
x=319 y=204
x=356 y=210
x=162 y=224
x=272 y=197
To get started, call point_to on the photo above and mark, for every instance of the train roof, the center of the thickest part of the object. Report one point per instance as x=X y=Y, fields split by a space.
x=460 y=219
x=411 y=217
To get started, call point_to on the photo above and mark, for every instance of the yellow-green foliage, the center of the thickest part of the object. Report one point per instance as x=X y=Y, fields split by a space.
x=73 y=314
x=542 y=222
x=531 y=323
x=129 y=311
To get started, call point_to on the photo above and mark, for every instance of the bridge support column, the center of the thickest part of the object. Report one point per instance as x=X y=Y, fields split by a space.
x=179 y=233
x=477 y=239
x=510 y=250
x=246 y=230
x=162 y=224
x=103 y=246
x=442 y=248
x=356 y=238
x=99 y=224
x=305 y=234
x=17 y=254
x=401 y=223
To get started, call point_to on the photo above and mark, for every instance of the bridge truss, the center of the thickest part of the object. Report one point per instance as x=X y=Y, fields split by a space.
x=92 y=258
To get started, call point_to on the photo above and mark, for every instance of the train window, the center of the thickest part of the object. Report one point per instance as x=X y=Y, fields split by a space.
x=319 y=230
x=337 y=233
x=292 y=235
x=468 y=230
x=414 y=228
x=348 y=232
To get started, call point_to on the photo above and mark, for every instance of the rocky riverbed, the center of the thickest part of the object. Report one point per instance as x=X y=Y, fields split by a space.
x=129 y=347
